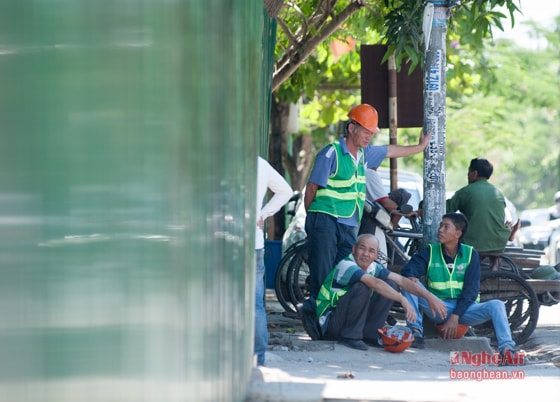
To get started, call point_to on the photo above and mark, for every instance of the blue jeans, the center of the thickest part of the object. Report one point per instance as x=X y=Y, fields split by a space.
x=477 y=313
x=261 y=329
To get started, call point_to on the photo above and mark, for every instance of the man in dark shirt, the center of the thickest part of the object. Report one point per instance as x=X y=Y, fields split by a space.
x=452 y=273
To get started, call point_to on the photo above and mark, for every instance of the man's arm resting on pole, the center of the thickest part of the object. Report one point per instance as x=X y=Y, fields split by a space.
x=397 y=151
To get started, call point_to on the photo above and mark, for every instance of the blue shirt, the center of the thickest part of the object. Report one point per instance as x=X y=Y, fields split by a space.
x=325 y=166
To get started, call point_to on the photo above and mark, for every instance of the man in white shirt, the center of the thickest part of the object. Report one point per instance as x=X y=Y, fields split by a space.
x=267 y=178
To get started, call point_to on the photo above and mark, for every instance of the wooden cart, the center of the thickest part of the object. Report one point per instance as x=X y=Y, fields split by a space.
x=513 y=285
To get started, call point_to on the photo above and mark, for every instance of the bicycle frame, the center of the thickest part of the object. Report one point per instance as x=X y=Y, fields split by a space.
x=382 y=219
x=396 y=249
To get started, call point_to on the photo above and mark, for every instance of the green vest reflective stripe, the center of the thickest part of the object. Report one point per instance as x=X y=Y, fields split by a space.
x=441 y=282
x=346 y=188
x=327 y=296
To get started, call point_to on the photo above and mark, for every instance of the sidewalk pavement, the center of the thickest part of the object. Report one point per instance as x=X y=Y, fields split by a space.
x=302 y=370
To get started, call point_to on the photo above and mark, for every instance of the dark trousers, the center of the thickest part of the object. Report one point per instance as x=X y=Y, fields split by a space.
x=359 y=313
x=328 y=242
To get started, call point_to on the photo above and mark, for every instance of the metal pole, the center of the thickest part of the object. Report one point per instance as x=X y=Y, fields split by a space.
x=392 y=81
x=435 y=27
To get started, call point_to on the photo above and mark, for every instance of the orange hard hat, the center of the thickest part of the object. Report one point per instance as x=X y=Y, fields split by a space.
x=396 y=339
x=366 y=116
x=461 y=330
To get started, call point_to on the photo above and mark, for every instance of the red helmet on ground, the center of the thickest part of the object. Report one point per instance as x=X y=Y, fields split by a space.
x=396 y=339
x=366 y=116
x=461 y=330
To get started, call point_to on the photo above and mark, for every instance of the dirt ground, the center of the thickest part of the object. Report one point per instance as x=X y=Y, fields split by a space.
x=290 y=349
x=300 y=370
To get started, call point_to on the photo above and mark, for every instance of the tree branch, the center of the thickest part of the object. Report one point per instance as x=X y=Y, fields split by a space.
x=296 y=55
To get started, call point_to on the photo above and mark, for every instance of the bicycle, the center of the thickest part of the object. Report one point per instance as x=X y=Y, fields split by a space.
x=281 y=275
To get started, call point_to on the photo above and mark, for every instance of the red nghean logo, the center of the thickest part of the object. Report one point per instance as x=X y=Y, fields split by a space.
x=486 y=359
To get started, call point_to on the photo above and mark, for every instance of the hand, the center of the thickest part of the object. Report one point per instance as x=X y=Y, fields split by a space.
x=410 y=313
x=412 y=215
x=413 y=279
x=437 y=307
x=424 y=139
x=260 y=223
x=449 y=327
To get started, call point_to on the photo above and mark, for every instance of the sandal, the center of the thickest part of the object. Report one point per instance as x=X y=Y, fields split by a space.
x=418 y=342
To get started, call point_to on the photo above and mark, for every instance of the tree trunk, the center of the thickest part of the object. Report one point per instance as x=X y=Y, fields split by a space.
x=279 y=115
x=298 y=162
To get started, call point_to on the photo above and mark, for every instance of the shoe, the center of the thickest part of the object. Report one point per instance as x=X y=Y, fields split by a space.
x=375 y=342
x=418 y=342
x=353 y=343
x=309 y=321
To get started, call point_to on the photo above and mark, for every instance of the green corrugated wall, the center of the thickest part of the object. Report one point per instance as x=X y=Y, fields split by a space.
x=129 y=133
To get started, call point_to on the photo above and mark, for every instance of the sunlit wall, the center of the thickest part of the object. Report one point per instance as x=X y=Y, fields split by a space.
x=129 y=133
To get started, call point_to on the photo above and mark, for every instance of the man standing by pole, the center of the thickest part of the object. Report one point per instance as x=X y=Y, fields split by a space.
x=335 y=196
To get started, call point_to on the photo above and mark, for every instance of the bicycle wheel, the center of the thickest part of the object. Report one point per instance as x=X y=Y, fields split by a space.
x=521 y=302
x=298 y=277
x=506 y=264
x=280 y=278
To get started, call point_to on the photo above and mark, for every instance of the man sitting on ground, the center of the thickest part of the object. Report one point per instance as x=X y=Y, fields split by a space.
x=452 y=271
x=349 y=311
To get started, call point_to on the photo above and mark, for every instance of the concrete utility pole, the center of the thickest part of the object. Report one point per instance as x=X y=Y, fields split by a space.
x=393 y=117
x=434 y=27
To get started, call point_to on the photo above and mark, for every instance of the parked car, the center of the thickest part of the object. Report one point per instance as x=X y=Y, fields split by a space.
x=410 y=181
x=535 y=229
x=553 y=252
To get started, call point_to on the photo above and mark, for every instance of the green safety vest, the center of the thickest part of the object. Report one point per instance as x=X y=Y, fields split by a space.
x=346 y=189
x=327 y=296
x=441 y=282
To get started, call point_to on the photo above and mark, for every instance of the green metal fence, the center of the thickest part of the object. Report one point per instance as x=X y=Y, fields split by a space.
x=129 y=133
